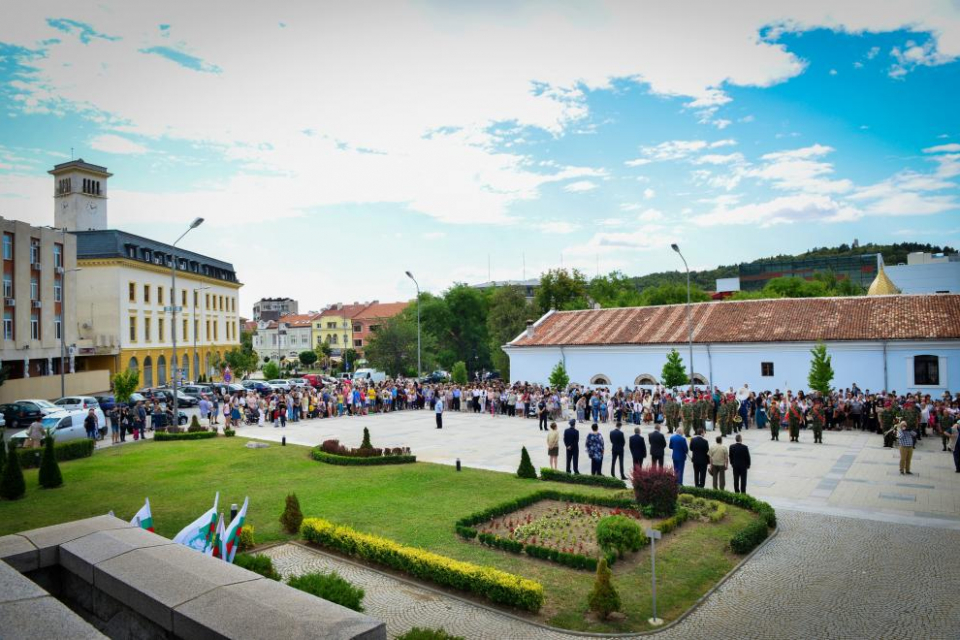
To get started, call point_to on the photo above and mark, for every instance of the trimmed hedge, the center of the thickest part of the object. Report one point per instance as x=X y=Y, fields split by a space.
x=573 y=478
x=72 y=450
x=229 y=433
x=748 y=538
x=572 y=560
x=163 y=436
x=258 y=563
x=498 y=586
x=330 y=586
x=350 y=461
x=418 y=633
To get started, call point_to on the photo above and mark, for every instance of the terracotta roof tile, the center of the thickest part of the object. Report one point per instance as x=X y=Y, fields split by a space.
x=897 y=317
x=382 y=310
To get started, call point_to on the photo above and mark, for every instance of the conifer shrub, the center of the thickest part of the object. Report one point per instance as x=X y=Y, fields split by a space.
x=526 y=469
x=603 y=599
x=50 y=476
x=366 y=439
x=292 y=517
x=12 y=486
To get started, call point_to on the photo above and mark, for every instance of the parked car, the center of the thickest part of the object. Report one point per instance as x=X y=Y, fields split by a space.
x=279 y=385
x=20 y=414
x=65 y=426
x=491 y=375
x=298 y=382
x=135 y=398
x=345 y=376
x=165 y=396
x=107 y=403
x=74 y=403
x=435 y=377
x=369 y=375
x=257 y=385
x=194 y=390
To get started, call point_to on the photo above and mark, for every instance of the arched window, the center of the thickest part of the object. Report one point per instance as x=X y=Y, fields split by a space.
x=600 y=379
x=196 y=366
x=162 y=370
x=700 y=380
x=645 y=379
x=148 y=371
x=133 y=365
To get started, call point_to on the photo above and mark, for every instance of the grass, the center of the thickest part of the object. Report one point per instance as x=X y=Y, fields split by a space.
x=415 y=504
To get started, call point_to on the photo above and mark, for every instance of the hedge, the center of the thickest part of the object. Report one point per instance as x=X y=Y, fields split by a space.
x=330 y=458
x=748 y=538
x=573 y=478
x=498 y=586
x=30 y=458
x=161 y=436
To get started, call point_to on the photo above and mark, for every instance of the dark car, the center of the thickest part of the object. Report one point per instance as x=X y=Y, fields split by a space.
x=22 y=413
x=257 y=385
x=107 y=403
x=491 y=375
x=435 y=377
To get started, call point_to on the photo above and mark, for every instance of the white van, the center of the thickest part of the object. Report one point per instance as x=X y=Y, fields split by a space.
x=65 y=426
x=369 y=375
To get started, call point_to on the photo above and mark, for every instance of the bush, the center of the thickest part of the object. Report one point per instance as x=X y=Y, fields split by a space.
x=526 y=469
x=258 y=563
x=497 y=542
x=292 y=517
x=656 y=488
x=247 y=540
x=366 y=439
x=330 y=586
x=603 y=599
x=572 y=478
x=619 y=534
x=229 y=433
x=3 y=452
x=572 y=560
x=63 y=451
x=50 y=476
x=166 y=436
x=499 y=586
x=329 y=458
x=418 y=633
x=747 y=539
x=195 y=425
x=12 y=486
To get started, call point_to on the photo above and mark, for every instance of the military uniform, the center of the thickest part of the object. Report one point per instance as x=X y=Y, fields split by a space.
x=671 y=413
x=911 y=415
x=775 y=417
x=686 y=412
x=794 y=418
x=888 y=417
x=816 y=419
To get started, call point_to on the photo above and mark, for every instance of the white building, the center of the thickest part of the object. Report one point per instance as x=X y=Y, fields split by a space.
x=286 y=339
x=899 y=342
x=927 y=273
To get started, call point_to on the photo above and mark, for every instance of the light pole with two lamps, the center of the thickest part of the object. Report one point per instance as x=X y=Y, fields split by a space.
x=689 y=313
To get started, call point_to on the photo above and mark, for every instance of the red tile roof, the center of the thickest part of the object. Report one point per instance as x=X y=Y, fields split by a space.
x=382 y=310
x=299 y=320
x=345 y=311
x=900 y=317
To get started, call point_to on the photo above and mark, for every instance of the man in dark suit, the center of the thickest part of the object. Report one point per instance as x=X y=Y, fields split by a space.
x=740 y=462
x=571 y=440
x=638 y=448
x=617 y=440
x=658 y=445
x=698 y=451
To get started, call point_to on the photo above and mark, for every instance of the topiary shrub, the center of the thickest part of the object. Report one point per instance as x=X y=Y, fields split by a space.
x=620 y=534
x=50 y=476
x=526 y=469
x=229 y=433
x=258 y=563
x=418 y=633
x=330 y=586
x=292 y=517
x=366 y=439
x=12 y=486
x=247 y=541
x=195 y=425
x=603 y=599
x=655 y=488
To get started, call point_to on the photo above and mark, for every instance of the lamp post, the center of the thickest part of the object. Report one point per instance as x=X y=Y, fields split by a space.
x=346 y=344
x=63 y=309
x=196 y=330
x=417 y=284
x=689 y=313
x=173 y=309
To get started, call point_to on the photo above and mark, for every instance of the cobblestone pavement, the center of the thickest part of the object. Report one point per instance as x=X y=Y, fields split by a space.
x=822 y=576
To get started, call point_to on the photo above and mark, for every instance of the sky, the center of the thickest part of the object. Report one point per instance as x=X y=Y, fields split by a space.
x=331 y=147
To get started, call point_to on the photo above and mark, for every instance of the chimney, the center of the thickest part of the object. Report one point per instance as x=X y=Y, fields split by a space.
x=529 y=332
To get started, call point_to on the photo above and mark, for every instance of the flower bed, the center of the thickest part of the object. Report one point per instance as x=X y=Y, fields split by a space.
x=332 y=452
x=748 y=538
x=162 y=436
x=499 y=586
x=573 y=478
x=330 y=458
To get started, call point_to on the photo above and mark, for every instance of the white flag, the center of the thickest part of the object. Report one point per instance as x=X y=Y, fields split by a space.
x=144 y=519
x=199 y=534
x=231 y=540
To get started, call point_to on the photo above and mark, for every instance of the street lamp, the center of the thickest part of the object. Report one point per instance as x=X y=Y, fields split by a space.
x=196 y=330
x=173 y=309
x=417 y=284
x=63 y=309
x=689 y=313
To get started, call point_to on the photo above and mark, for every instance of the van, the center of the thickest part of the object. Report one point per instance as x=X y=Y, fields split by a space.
x=369 y=375
x=65 y=426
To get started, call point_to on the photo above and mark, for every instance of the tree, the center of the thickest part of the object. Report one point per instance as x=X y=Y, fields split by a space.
x=526 y=469
x=558 y=377
x=240 y=361
x=323 y=352
x=124 y=384
x=459 y=373
x=365 y=444
x=821 y=370
x=674 y=373
x=307 y=358
x=12 y=486
x=603 y=599
x=50 y=476
x=615 y=290
x=392 y=347
x=672 y=294
x=562 y=290
x=3 y=453
x=292 y=517
x=507 y=315
x=271 y=371
x=350 y=357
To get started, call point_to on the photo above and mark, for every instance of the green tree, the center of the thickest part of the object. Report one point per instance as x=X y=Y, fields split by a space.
x=603 y=599
x=526 y=470
x=50 y=476
x=672 y=294
x=323 y=352
x=615 y=290
x=350 y=357
x=12 y=486
x=292 y=517
x=674 y=373
x=467 y=334
x=507 y=315
x=240 y=361
x=562 y=290
x=3 y=453
x=246 y=340
x=392 y=347
x=459 y=373
x=271 y=371
x=307 y=358
x=124 y=384
x=558 y=377
x=821 y=370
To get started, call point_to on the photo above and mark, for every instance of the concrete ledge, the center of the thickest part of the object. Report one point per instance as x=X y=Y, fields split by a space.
x=27 y=611
x=19 y=553
x=282 y=612
x=14 y=586
x=48 y=539
x=80 y=556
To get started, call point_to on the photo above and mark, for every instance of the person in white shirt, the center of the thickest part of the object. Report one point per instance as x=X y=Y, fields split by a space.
x=438 y=409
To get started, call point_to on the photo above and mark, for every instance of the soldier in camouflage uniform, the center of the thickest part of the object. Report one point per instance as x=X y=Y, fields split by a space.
x=671 y=413
x=888 y=421
x=701 y=409
x=911 y=415
x=817 y=420
x=794 y=419
x=773 y=414
x=686 y=413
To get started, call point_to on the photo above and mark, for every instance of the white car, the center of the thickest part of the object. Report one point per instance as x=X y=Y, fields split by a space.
x=45 y=406
x=298 y=382
x=279 y=385
x=65 y=426
x=75 y=403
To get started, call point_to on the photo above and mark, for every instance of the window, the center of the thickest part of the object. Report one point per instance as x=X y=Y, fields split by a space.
x=196 y=297
x=206 y=302
x=215 y=330
x=358 y=343
x=133 y=328
x=132 y=291
x=332 y=339
x=183 y=298
x=331 y=325
x=34 y=325
x=766 y=369
x=159 y=295
x=8 y=246
x=146 y=294
x=208 y=331
x=8 y=325
x=34 y=251
x=58 y=255
x=926 y=371
x=57 y=290
x=160 y=327
x=357 y=328
x=34 y=287
x=599 y=379
x=196 y=328
x=57 y=323
x=185 y=336
x=146 y=330
x=7 y=285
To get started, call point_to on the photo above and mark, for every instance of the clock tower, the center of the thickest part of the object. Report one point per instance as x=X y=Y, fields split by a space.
x=80 y=196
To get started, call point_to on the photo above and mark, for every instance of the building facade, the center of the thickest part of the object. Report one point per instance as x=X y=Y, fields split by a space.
x=274 y=308
x=927 y=273
x=900 y=343
x=858 y=269
x=335 y=326
x=285 y=339
x=368 y=320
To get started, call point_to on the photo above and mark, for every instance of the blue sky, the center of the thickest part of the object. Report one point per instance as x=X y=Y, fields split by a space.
x=333 y=148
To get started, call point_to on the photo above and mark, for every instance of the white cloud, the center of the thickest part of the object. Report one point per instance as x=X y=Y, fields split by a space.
x=638 y=162
x=806 y=208
x=677 y=150
x=833 y=72
x=110 y=143
x=631 y=206
x=951 y=147
x=717 y=158
x=649 y=193
x=580 y=186
x=647 y=238
x=797 y=170
x=558 y=227
x=651 y=215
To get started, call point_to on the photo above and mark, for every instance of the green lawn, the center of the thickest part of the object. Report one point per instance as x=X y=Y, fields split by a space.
x=415 y=504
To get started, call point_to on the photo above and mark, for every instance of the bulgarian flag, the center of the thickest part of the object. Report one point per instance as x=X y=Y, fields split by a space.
x=199 y=534
x=144 y=519
x=231 y=539
x=214 y=549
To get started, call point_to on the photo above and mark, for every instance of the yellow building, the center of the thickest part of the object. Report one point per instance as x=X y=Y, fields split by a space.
x=335 y=326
